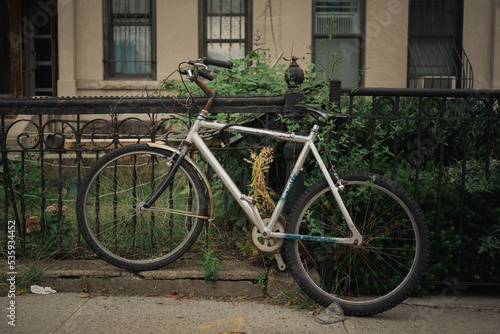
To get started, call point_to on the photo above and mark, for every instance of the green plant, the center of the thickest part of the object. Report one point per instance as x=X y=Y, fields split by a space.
x=253 y=74
x=261 y=280
x=24 y=280
x=480 y=189
x=232 y=210
x=29 y=273
x=491 y=244
x=245 y=245
x=56 y=228
x=211 y=265
x=476 y=180
x=25 y=177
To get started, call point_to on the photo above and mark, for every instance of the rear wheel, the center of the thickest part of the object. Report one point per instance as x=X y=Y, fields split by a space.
x=115 y=226
x=377 y=274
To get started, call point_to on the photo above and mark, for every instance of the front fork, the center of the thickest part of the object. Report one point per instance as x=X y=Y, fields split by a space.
x=168 y=178
x=183 y=151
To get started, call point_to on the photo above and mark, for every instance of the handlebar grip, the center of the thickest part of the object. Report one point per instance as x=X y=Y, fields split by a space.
x=206 y=75
x=217 y=62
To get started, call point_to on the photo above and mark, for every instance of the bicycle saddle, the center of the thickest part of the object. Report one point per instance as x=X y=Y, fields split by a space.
x=323 y=115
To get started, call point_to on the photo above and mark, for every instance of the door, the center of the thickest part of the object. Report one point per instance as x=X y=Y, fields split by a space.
x=39 y=49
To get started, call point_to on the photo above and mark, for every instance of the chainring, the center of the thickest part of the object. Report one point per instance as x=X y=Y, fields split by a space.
x=270 y=245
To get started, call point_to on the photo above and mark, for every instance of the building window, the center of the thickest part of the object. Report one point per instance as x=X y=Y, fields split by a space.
x=347 y=32
x=436 y=58
x=130 y=39
x=226 y=28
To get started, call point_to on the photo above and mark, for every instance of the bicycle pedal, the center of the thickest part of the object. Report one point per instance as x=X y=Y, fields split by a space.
x=249 y=199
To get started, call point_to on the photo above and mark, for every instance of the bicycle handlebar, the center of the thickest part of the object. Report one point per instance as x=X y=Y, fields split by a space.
x=205 y=61
x=206 y=75
x=194 y=77
x=217 y=62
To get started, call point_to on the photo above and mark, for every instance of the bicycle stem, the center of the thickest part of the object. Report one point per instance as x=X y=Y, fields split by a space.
x=207 y=90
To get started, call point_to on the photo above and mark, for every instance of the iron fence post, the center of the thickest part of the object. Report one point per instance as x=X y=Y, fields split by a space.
x=294 y=76
x=335 y=91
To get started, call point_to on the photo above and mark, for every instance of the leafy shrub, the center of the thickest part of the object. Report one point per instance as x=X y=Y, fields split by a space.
x=252 y=75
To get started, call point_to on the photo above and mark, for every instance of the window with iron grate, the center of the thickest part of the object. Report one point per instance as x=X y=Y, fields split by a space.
x=225 y=28
x=347 y=32
x=436 y=58
x=130 y=39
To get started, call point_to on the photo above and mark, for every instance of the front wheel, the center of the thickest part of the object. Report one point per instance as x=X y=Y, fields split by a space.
x=118 y=229
x=370 y=277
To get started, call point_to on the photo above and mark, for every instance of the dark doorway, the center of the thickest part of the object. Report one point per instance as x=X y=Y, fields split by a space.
x=5 y=85
x=28 y=47
x=38 y=28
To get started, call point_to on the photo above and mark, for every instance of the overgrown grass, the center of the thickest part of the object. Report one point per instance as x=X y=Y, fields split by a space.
x=30 y=273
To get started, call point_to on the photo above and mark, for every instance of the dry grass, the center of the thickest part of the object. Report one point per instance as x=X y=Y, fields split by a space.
x=259 y=190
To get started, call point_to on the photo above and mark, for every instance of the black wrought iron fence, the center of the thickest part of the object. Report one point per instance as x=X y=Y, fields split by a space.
x=441 y=145
x=48 y=144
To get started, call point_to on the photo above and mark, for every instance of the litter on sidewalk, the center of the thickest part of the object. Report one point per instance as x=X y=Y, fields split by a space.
x=40 y=290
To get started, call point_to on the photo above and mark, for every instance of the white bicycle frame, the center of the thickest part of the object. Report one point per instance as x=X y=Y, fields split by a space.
x=248 y=204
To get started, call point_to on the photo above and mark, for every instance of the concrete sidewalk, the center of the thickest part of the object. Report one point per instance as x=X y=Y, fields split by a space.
x=79 y=313
x=94 y=297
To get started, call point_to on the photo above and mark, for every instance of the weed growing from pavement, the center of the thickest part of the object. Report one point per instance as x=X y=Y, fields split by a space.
x=211 y=265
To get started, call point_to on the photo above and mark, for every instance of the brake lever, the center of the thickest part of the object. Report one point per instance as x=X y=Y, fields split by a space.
x=201 y=64
x=197 y=63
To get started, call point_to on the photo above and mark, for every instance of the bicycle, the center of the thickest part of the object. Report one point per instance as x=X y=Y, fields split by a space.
x=352 y=237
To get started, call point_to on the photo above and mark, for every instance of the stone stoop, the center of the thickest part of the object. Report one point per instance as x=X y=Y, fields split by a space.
x=185 y=278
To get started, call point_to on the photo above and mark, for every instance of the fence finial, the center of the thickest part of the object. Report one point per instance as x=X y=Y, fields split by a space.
x=294 y=75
